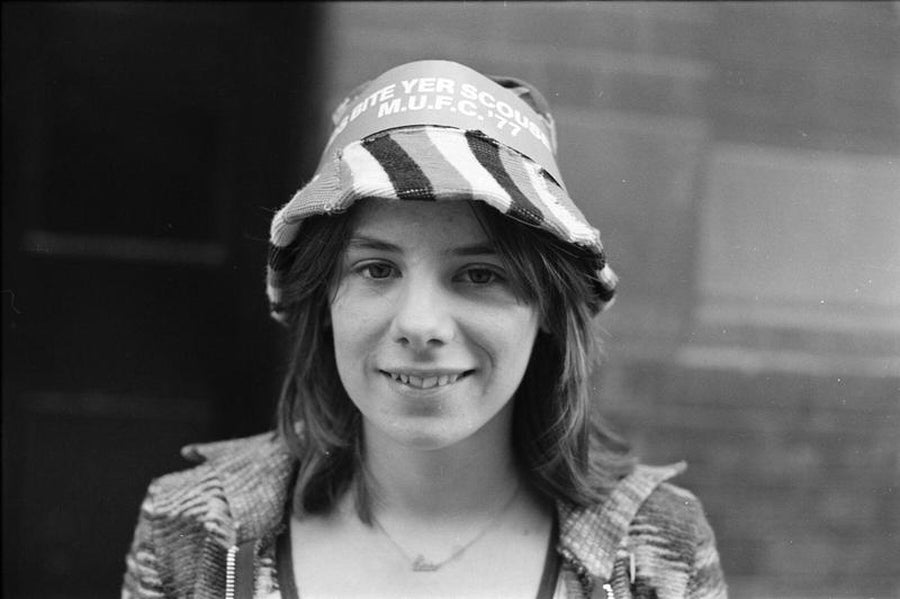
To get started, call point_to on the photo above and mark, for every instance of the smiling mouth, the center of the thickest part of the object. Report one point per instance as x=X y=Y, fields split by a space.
x=426 y=382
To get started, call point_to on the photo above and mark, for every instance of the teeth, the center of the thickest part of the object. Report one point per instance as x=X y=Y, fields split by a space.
x=425 y=382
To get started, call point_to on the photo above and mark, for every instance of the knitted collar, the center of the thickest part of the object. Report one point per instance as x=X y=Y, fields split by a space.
x=256 y=473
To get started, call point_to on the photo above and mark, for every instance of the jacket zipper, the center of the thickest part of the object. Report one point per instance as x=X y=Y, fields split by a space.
x=230 y=565
x=607 y=586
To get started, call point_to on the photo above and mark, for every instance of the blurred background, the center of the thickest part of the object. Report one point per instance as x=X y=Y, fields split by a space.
x=742 y=161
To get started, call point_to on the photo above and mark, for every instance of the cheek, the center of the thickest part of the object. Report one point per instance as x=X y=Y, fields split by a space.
x=509 y=335
x=524 y=344
x=356 y=328
x=350 y=350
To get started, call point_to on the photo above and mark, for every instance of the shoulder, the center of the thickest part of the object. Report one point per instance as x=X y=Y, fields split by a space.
x=670 y=512
x=189 y=518
x=646 y=533
x=211 y=462
x=673 y=544
x=234 y=451
x=648 y=503
x=209 y=496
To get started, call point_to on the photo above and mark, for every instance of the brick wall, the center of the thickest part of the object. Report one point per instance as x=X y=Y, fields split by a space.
x=742 y=162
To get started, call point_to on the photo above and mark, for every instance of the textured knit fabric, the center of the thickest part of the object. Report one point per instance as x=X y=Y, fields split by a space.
x=433 y=164
x=241 y=491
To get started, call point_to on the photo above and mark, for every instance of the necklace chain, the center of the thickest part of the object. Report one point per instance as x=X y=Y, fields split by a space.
x=420 y=564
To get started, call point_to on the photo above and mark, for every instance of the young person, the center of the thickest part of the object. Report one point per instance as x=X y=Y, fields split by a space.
x=435 y=430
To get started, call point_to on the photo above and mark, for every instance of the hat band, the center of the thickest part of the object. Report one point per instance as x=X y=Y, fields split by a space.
x=443 y=93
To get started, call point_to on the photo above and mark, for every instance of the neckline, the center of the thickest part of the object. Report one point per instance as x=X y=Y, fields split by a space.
x=287 y=583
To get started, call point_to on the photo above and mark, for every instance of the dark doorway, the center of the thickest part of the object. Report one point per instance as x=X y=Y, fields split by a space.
x=145 y=147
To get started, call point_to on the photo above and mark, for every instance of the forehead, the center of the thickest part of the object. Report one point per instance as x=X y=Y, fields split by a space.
x=440 y=222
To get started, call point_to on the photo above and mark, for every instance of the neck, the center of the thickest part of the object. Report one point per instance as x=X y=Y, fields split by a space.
x=467 y=479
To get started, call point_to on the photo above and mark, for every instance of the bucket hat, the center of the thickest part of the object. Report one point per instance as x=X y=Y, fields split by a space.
x=438 y=130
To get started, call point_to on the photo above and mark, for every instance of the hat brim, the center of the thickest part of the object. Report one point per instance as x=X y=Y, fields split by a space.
x=435 y=164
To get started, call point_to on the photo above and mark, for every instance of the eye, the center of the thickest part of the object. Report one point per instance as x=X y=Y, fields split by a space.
x=479 y=275
x=377 y=270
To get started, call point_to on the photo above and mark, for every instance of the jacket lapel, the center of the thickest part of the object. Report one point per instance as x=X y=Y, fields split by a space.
x=254 y=477
x=590 y=537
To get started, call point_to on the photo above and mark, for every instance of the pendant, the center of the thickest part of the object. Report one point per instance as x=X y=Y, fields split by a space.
x=423 y=565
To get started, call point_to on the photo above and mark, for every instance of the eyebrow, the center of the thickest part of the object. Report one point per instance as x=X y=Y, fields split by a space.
x=478 y=249
x=371 y=243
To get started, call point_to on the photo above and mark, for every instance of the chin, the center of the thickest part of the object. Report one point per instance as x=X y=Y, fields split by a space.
x=426 y=437
x=425 y=440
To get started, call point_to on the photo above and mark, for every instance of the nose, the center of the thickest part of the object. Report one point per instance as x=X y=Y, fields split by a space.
x=423 y=317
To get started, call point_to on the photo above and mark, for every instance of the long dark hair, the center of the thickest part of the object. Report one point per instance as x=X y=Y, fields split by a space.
x=564 y=450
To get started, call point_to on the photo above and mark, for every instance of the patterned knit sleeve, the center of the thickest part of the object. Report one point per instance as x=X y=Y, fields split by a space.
x=706 y=580
x=142 y=579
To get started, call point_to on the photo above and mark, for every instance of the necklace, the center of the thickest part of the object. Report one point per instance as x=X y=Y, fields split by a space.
x=420 y=563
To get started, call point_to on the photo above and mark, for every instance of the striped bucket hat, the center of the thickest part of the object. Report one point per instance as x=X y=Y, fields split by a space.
x=437 y=130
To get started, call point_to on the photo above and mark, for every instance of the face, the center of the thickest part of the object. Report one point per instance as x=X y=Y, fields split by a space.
x=430 y=340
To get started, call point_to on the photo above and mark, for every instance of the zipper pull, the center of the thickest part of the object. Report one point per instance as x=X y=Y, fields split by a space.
x=609 y=591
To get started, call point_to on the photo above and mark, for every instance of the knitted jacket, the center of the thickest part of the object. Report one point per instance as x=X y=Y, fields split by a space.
x=647 y=539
